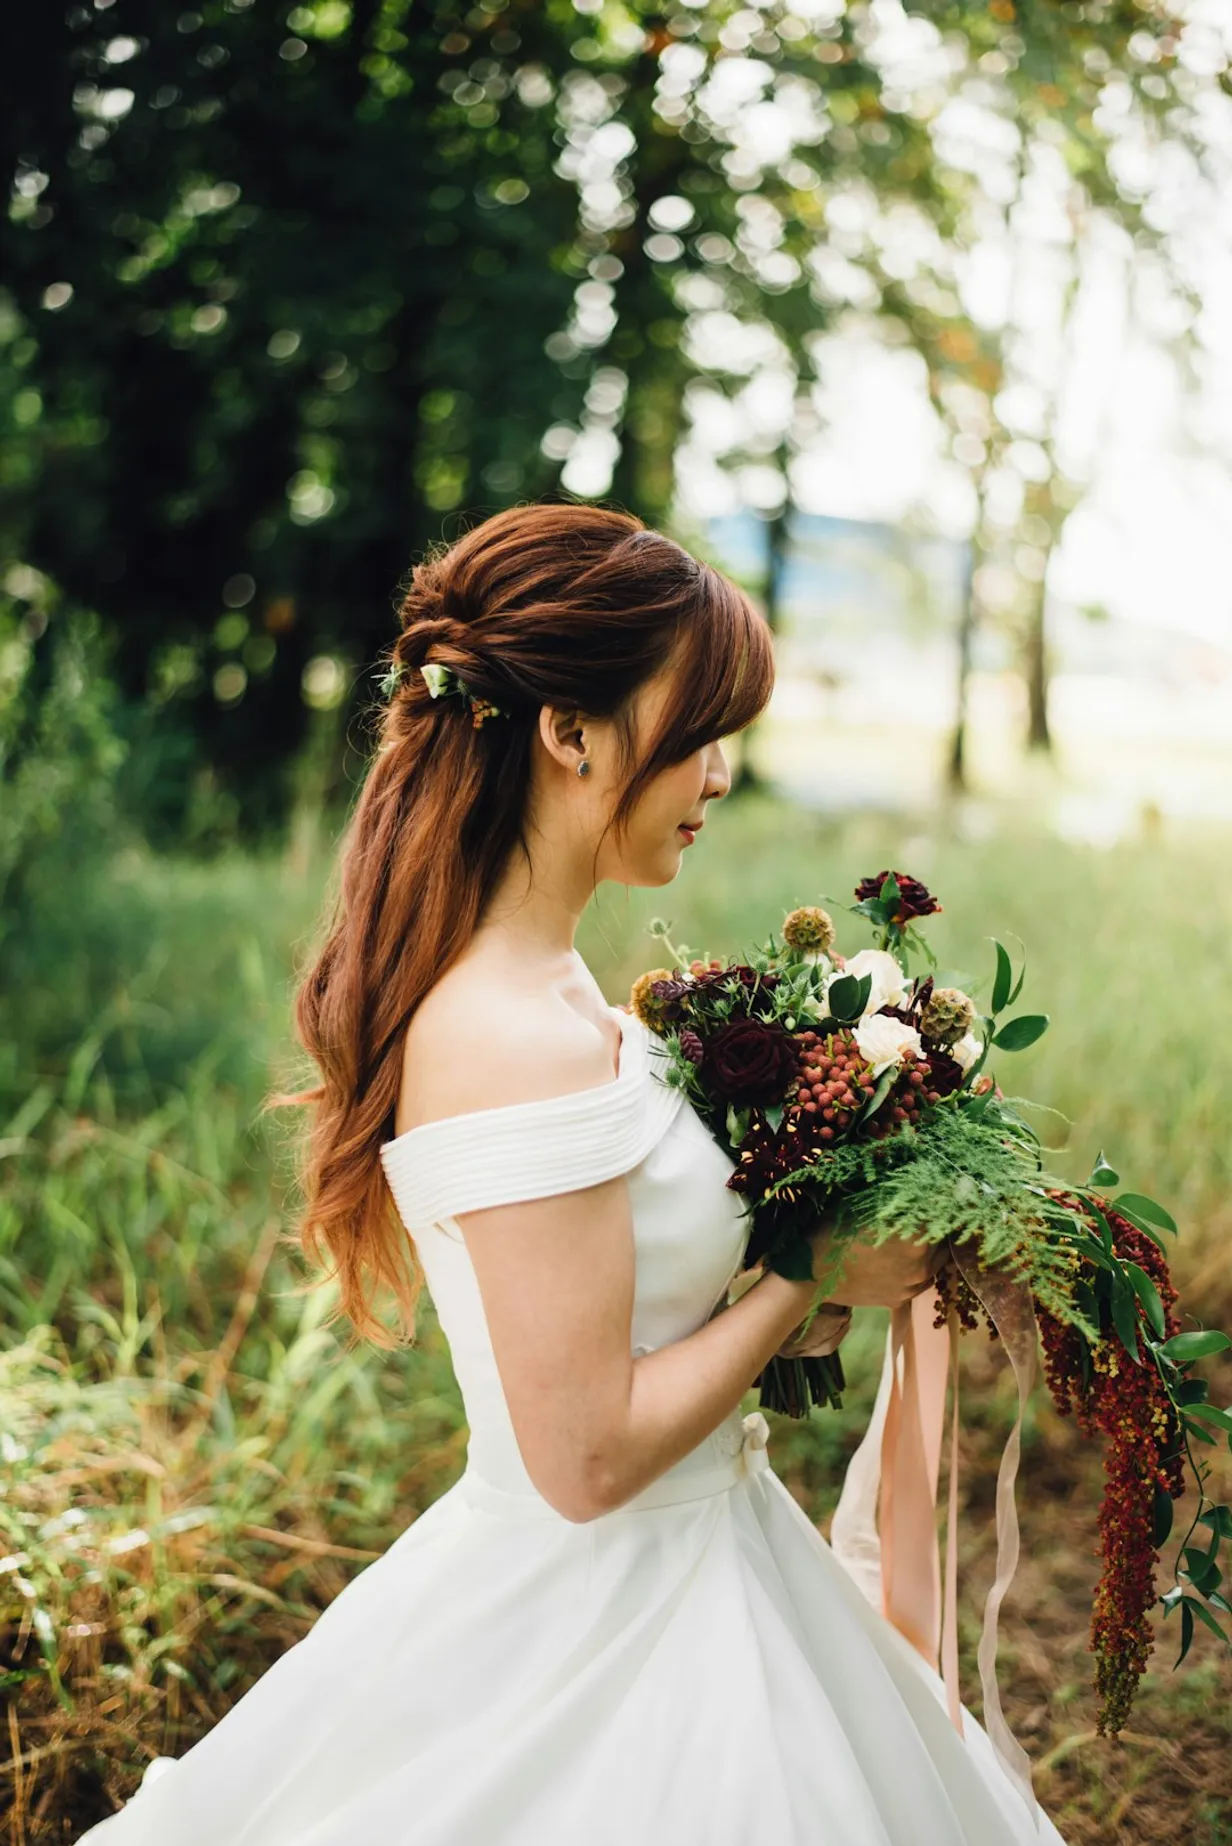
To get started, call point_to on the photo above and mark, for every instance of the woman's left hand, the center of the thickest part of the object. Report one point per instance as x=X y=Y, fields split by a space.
x=830 y=1326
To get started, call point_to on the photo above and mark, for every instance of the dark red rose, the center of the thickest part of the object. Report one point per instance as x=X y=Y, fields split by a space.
x=914 y=900
x=750 y=1061
x=945 y=1072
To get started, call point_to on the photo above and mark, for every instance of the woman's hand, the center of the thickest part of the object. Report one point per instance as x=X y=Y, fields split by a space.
x=875 y=1276
x=830 y=1326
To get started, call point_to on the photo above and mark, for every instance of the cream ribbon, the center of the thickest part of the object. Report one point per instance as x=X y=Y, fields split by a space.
x=754 y=1452
x=892 y=1549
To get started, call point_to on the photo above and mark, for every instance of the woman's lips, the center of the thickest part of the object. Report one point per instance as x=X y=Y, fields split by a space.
x=689 y=833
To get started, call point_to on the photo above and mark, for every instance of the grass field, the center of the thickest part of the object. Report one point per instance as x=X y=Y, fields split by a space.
x=193 y=1466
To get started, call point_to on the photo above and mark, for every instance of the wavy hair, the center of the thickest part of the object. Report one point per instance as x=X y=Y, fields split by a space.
x=570 y=606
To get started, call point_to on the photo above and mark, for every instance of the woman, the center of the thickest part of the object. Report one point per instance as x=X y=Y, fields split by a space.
x=618 y=1626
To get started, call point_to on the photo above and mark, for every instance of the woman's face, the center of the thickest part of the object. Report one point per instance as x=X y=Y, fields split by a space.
x=657 y=837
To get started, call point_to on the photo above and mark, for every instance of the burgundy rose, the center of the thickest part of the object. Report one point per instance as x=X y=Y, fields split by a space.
x=914 y=899
x=750 y=1061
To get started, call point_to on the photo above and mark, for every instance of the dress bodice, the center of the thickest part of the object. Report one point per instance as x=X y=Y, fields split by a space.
x=689 y=1230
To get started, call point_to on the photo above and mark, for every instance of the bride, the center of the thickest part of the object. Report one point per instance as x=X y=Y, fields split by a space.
x=618 y=1626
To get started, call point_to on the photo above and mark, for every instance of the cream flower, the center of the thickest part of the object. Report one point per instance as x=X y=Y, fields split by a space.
x=885 y=1041
x=966 y=1050
x=889 y=986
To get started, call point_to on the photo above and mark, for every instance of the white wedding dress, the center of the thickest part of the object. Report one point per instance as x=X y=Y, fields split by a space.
x=694 y=1669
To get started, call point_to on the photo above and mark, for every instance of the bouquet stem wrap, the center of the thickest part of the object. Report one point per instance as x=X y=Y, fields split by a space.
x=892 y=1549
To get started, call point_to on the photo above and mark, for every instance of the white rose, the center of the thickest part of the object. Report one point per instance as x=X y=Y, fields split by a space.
x=885 y=1041
x=889 y=986
x=966 y=1051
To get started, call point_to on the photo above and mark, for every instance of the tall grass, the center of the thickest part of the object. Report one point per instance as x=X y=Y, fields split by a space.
x=192 y=1465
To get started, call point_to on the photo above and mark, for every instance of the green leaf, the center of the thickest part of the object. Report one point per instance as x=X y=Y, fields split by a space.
x=1211 y=1413
x=1187 y=1627
x=1124 y=1315
x=737 y=1124
x=1141 y=1225
x=1148 y=1295
x=1204 y=1573
x=1162 y=1518
x=1172 y=1597
x=890 y=895
x=1102 y=1174
x=1192 y=1391
x=1021 y=1032
x=1183 y=1347
x=774 y=1115
x=1137 y=1205
x=1219 y=1519
x=1203 y=1615
x=847 y=997
x=885 y=1083
x=1005 y=975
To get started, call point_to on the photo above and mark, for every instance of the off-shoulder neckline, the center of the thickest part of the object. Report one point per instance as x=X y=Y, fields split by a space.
x=626 y=1069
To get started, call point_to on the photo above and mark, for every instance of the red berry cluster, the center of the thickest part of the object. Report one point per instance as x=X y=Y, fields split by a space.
x=1127 y=1404
x=834 y=1084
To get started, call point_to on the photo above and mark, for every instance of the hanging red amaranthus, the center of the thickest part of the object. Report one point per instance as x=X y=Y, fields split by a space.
x=1127 y=1403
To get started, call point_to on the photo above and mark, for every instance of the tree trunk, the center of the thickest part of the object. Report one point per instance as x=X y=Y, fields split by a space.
x=778 y=550
x=966 y=636
x=1039 y=737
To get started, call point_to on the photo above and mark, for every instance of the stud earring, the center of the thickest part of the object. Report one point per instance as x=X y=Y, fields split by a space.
x=583 y=767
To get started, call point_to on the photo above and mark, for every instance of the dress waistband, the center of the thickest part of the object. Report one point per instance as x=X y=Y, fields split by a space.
x=674 y=1488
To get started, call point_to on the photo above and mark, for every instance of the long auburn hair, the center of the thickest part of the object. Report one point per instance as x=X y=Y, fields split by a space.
x=565 y=605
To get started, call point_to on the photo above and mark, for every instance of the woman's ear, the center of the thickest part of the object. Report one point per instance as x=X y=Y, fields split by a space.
x=563 y=736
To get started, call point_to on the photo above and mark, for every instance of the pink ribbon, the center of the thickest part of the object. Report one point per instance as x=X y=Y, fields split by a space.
x=892 y=1550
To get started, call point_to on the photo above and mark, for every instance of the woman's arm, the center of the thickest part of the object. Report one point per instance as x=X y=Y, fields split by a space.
x=594 y=1424
x=556 y=1276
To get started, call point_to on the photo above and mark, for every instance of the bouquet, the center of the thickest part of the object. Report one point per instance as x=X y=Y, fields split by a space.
x=852 y=1089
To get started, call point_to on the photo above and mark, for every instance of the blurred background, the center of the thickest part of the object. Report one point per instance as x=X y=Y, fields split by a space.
x=917 y=318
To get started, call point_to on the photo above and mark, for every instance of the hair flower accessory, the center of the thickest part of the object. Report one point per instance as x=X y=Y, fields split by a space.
x=440 y=679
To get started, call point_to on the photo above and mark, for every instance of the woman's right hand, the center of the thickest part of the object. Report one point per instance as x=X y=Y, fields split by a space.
x=875 y=1276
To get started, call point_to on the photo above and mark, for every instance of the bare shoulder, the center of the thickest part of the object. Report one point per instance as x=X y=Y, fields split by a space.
x=473 y=1044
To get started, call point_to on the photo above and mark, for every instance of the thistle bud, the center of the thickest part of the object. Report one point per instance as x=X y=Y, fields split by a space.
x=948 y=1016
x=809 y=931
